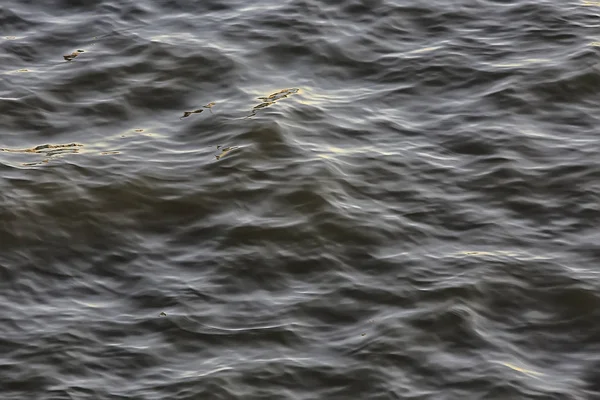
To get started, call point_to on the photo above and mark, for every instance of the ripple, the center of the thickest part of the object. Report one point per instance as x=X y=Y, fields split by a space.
x=299 y=200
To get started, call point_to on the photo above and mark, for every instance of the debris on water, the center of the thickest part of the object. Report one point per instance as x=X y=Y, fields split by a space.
x=263 y=105
x=71 y=56
x=163 y=314
x=282 y=94
x=188 y=113
x=33 y=164
x=225 y=150
x=198 y=111
x=272 y=99
x=47 y=148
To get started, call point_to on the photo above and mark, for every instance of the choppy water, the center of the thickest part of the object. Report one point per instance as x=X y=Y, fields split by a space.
x=299 y=199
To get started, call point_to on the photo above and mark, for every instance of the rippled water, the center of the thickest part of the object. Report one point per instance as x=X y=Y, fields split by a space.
x=299 y=199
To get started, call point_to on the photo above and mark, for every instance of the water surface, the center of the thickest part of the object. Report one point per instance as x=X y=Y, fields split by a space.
x=300 y=199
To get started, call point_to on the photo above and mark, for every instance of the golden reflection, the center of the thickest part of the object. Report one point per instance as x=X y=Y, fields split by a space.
x=331 y=152
x=521 y=63
x=521 y=369
x=358 y=150
x=506 y=253
x=591 y=3
x=316 y=97
x=424 y=50
x=487 y=253
x=16 y=71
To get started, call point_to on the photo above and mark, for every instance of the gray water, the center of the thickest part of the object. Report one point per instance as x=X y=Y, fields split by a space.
x=299 y=199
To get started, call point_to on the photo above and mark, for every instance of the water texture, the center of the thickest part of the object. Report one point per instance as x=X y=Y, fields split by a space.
x=299 y=199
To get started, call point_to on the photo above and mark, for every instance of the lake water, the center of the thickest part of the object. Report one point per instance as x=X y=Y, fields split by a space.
x=299 y=199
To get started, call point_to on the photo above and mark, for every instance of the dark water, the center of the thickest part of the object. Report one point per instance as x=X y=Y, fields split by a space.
x=299 y=199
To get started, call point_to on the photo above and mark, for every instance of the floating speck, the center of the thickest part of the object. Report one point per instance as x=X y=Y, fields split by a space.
x=188 y=113
x=71 y=56
x=225 y=150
